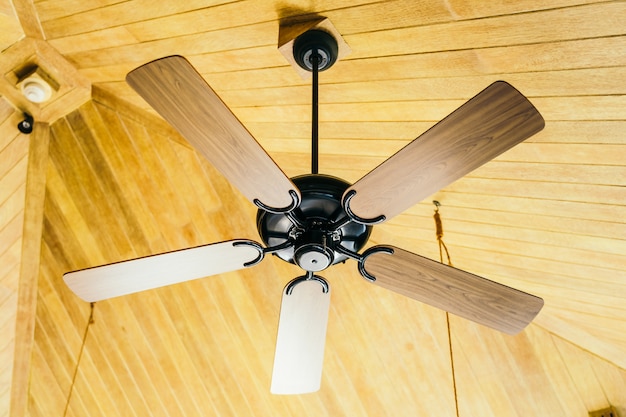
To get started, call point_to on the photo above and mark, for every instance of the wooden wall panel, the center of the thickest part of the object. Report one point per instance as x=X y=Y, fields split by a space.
x=11 y=28
x=13 y=167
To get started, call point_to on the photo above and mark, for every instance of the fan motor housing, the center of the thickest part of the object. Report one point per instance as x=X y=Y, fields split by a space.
x=318 y=228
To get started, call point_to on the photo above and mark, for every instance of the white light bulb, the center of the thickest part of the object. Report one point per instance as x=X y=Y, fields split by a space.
x=36 y=91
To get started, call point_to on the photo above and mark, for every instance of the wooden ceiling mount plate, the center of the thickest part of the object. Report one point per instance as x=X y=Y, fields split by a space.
x=290 y=31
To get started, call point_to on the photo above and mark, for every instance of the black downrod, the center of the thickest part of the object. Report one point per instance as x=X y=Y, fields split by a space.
x=315 y=51
x=315 y=61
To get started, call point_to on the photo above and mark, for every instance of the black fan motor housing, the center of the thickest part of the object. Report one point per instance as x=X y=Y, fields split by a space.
x=318 y=227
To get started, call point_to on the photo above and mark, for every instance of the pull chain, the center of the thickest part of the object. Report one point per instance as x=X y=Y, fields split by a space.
x=439 y=231
x=90 y=321
x=439 y=234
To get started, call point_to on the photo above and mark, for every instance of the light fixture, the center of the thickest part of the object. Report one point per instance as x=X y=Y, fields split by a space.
x=36 y=86
x=26 y=125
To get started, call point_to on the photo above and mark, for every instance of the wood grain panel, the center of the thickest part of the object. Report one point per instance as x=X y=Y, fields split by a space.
x=546 y=217
x=13 y=172
x=27 y=289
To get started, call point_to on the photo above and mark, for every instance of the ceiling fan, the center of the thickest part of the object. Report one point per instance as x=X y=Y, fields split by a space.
x=315 y=221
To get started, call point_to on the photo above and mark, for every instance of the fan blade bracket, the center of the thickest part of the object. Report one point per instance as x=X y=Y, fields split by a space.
x=254 y=245
x=361 y=258
x=376 y=249
x=310 y=276
x=295 y=202
x=346 y=206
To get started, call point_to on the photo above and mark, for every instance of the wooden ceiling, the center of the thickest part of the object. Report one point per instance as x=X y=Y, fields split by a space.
x=108 y=180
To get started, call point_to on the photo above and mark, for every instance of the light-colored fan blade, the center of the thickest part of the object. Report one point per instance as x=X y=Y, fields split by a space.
x=458 y=292
x=492 y=122
x=127 y=277
x=177 y=92
x=299 y=356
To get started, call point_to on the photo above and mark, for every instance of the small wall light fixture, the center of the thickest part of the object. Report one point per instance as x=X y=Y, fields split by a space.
x=26 y=125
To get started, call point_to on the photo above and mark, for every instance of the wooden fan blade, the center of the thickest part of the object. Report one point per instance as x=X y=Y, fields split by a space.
x=458 y=292
x=301 y=337
x=127 y=277
x=181 y=96
x=492 y=122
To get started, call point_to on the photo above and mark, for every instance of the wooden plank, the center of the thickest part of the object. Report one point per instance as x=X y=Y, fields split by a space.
x=570 y=209
x=557 y=56
x=186 y=20
x=12 y=206
x=272 y=133
x=555 y=172
x=63 y=222
x=464 y=9
x=28 y=18
x=598 y=108
x=422 y=216
x=582 y=131
x=537 y=27
x=27 y=292
x=407 y=96
x=8 y=129
x=146 y=196
x=11 y=30
x=597 y=81
x=613 y=381
x=525 y=28
x=586 y=381
x=13 y=153
x=550 y=246
x=351 y=14
x=602 y=194
x=83 y=184
x=168 y=209
x=13 y=180
x=527 y=161
x=115 y=147
x=551 y=56
x=556 y=369
x=106 y=38
x=106 y=178
x=116 y=14
x=10 y=260
x=11 y=232
x=489 y=254
x=12 y=188
x=125 y=360
x=52 y=9
x=131 y=112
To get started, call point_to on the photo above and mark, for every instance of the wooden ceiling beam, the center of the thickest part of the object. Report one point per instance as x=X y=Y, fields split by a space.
x=29 y=269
